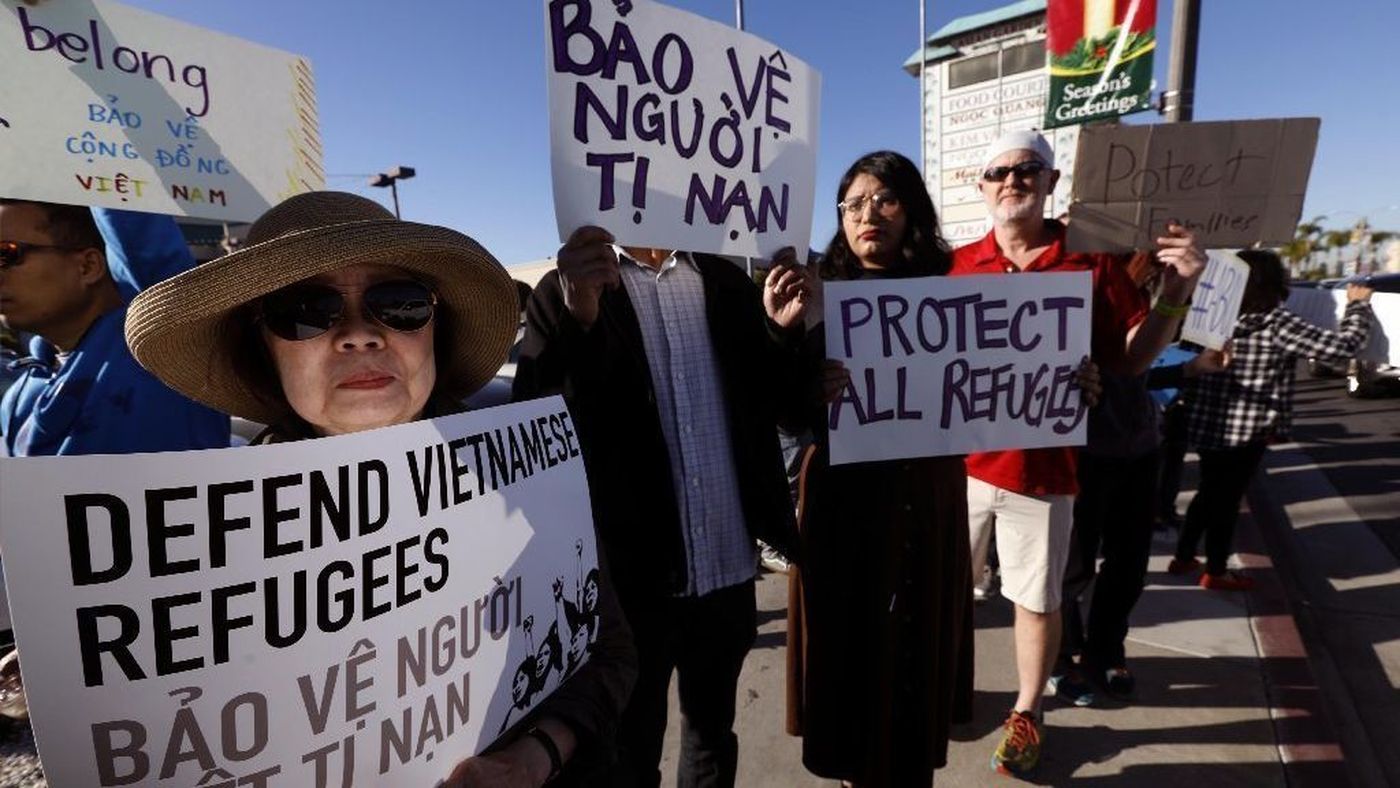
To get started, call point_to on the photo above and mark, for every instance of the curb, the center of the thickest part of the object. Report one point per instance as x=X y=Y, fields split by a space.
x=1320 y=738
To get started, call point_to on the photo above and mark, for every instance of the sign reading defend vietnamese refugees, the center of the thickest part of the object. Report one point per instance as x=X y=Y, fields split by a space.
x=950 y=365
x=1235 y=183
x=102 y=104
x=1100 y=55
x=673 y=131
x=1215 y=305
x=359 y=610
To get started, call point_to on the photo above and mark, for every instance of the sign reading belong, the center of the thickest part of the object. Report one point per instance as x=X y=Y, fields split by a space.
x=360 y=610
x=951 y=365
x=102 y=104
x=673 y=131
x=1234 y=183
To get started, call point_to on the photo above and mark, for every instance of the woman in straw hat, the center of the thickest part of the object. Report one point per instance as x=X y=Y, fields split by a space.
x=336 y=318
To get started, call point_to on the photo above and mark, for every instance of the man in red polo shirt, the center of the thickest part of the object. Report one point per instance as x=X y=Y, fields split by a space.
x=1028 y=495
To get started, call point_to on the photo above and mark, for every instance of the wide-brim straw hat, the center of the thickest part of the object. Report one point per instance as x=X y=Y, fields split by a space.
x=184 y=329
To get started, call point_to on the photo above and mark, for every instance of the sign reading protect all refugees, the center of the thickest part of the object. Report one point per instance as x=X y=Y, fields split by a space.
x=673 y=131
x=1215 y=305
x=1233 y=183
x=951 y=365
x=1100 y=54
x=359 y=610
x=102 y=104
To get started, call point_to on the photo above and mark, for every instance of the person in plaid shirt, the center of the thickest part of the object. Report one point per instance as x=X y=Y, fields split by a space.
x=1234 y=414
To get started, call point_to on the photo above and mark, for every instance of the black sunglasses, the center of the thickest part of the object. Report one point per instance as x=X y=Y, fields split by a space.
x=12 y=252
x=1025 y=169
x=306 y=311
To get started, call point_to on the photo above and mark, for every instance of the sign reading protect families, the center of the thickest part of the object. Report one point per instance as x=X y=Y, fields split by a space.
x=360 y=610
x=951 y=365
x=102 y=104
x=672 y=131
x=1233 y=183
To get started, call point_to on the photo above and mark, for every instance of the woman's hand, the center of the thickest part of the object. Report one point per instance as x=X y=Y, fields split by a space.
x=1210 y=362
x=1087 y=379
x=834 y=379
x=788 y=290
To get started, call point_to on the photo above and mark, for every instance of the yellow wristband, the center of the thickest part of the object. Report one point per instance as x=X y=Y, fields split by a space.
x=1170 y=311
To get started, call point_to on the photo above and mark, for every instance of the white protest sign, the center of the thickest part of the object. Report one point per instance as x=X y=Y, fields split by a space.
x=103 y=104
x=366 y=609
x=950 y=365
x=1233 y=183
x=673 y=131
x=1216 y=302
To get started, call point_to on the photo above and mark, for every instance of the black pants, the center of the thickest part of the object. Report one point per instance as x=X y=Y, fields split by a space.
x=1173 y=454
x=703 y=640
x=1225 y=475
x=1113 y=515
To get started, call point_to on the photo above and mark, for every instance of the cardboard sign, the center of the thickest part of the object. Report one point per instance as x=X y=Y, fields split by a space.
x=1215 y=305
x=1235 y=183
x=360 y=610
x=676 y=132
x=102 y=104
x=951 y=365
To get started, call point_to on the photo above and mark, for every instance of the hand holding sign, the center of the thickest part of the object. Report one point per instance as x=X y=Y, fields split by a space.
x=1182 y=262
x=787 y=291
x=587 y=265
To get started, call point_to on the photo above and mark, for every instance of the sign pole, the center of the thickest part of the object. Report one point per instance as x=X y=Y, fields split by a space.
x=1179 y=101
x=739 y=23
x=923 y=92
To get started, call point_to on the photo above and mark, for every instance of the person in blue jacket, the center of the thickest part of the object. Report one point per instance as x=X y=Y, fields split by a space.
x=66 y=275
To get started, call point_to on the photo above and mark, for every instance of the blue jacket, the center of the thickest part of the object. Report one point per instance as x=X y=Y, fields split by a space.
x=100 y=401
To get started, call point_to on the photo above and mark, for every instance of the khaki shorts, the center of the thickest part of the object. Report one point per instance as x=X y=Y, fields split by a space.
x=1032 y=541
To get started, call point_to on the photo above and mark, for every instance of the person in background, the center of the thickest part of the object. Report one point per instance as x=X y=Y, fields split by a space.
x=335 y=318
x=1028 y=496
x=1234 y=414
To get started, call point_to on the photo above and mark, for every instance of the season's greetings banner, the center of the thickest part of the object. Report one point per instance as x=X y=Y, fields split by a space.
x=103 y=104
x=951 y=365
x=1100 y=54
x=672 y=131
x=360 y=610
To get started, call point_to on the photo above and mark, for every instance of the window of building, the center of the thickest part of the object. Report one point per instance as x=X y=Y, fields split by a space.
x=1024 y=57
x=972 y=70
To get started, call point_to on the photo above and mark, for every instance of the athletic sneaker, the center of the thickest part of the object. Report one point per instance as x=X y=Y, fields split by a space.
x=1070 y=687
x=1019 y=751
x=771 y=559
x=1189 y=566
x=1226 y=581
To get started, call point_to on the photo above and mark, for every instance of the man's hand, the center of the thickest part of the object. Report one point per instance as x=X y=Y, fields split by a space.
x=497 y=770
x=788 y=290
x=1209 y=362
x=587 y=266
x=1087 y=379
x=1359 y=292
x=1182 y=263
x=834 y=379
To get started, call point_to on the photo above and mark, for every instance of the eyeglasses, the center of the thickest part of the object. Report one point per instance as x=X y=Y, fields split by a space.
x=882 y=202
x=1026 y=169
x=306 y=311
x=12 y=252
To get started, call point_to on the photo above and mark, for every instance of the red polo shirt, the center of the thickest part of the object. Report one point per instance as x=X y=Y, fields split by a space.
x=1118 y=307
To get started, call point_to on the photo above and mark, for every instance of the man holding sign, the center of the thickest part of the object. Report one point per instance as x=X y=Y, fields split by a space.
x=1028 y=495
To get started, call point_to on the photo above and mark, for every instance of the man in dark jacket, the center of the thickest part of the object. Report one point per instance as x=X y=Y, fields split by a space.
x=677 y=373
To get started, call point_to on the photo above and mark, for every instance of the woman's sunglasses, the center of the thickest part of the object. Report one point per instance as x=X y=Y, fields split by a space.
x=306 y=311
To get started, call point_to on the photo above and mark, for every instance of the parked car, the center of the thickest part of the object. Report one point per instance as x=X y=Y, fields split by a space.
x=1364 y=378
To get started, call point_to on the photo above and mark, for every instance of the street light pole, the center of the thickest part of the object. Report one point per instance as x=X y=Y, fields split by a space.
x=739 y=14
x=923 y=94
x=391 y=179
x=1179 y=100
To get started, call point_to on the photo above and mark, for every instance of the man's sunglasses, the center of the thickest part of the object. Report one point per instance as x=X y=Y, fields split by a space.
x=12 y=252
x=1026 y=169
x=306 y=311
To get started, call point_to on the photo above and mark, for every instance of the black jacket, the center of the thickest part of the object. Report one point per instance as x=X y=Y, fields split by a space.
x=604 y=376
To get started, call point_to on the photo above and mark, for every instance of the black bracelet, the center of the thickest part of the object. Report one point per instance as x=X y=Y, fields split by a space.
x=556 y=761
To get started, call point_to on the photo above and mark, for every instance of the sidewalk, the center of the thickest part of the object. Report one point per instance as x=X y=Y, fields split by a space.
x=1225 y=696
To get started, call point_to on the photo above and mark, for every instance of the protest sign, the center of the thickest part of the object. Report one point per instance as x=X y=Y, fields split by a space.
x=950 y=365
x=1234 y=183
x=1216 y=302
x=107 y=105
x=672 y=131
x=1100 y=55
x=366 y=609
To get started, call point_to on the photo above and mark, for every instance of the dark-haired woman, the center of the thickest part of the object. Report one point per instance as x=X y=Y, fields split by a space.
x=882 y=664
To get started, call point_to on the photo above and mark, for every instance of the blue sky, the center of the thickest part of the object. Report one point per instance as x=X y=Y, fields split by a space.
x=456 y=88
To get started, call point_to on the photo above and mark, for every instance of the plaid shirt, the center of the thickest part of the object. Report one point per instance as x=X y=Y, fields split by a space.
x=1253 y=399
